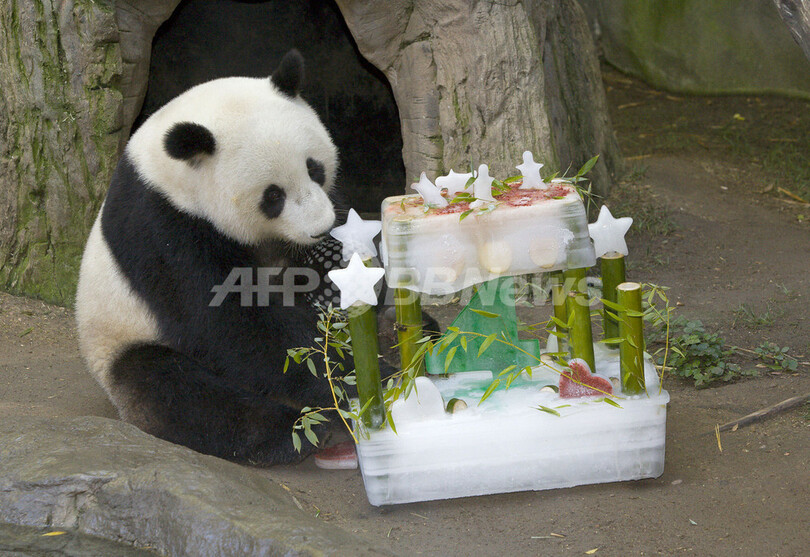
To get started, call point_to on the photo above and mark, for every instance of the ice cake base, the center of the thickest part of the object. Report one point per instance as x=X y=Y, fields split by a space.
x=508 y=444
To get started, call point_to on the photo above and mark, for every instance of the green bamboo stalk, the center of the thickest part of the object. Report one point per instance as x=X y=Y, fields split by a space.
x=366 y=349
x=581 y=334
x=558 y=297
x=575 y=280
x=409 y=326
x=613 y=274
x=631 y=330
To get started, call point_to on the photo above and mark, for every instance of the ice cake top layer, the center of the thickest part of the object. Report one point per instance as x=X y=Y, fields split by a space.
x=439 y=250
x=407 y=207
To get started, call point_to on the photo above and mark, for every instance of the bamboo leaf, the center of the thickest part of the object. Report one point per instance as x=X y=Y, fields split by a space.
x=587 y=166
x=296 y=439
x=613 y=305
x=311 y=366
x=484 y=313
x=463 y=342
x=507 y=370
x=286 y=364
x=548 y=410
x=311 y=436
x=449 y=358
x=614 y=340
x=487 y=341
x=490 y=390
x=611 y=402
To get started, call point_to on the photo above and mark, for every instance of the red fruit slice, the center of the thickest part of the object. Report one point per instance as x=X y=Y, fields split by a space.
x=577 y=381
x=342 y=456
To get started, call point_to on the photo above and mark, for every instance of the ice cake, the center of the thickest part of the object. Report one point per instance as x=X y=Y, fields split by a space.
x=443 y=249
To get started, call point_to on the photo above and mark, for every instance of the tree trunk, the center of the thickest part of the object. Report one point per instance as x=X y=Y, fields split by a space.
x=480 y=82
x=796 y=13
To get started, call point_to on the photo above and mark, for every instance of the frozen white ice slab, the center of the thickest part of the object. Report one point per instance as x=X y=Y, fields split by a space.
x=507 y=444
x=527 y=231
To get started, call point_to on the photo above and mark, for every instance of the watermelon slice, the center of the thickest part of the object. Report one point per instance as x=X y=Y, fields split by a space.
x=342 y=456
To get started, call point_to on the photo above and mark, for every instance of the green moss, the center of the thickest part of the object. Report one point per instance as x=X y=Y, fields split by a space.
x=50 y=152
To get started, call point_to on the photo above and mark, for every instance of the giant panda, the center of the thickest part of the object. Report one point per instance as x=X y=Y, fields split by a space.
x=232 y=174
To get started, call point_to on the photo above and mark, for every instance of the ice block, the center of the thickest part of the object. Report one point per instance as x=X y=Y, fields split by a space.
x=435 y=251
x=521 y=439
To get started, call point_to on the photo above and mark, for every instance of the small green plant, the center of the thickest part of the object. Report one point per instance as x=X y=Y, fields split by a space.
x=702 y=356
x=753 y=319
x=776 y=358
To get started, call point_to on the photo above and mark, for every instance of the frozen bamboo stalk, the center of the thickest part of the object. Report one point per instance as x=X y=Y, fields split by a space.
x=357 y=296
x=366 y=349
x=409 y=326
x=613 y=274
x=558 y=298
x=631 y=330
x=580 y=334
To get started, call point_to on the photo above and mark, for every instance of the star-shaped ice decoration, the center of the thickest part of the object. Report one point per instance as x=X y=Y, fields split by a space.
x=608 y=233
x=530 y=171
x=482 y=187
x=356 y=282
x=429 y=192
x=357 y=236
x=454 y=182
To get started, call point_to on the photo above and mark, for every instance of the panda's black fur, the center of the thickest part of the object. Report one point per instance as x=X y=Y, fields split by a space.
x=208 y=377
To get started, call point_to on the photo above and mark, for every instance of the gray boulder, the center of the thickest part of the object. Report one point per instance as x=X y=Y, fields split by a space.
x=107 y=478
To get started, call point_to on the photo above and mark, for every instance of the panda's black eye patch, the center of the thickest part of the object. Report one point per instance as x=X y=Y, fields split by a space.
x=272 y=201
x=317 y=173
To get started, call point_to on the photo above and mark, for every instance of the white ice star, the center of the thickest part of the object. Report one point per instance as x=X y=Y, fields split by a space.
x=356 y=282
x=530 y=171
x=429 y=192
x=357 y=236
x=608 y=233
x=454 y=182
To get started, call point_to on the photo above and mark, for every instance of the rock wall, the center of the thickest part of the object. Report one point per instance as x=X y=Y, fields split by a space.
x=475 y=81
x=703 y=46
x=480 y=82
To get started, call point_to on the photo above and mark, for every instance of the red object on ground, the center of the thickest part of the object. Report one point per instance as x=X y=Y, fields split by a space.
x=342 y=456
x=578 y=381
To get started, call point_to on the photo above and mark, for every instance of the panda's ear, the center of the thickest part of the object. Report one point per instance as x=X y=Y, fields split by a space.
x=289 y=74
x=187 y=141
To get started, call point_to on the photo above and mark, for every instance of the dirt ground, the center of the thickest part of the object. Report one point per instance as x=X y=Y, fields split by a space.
x=703 y=180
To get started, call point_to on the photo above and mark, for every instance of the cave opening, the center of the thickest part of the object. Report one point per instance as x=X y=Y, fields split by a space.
x=209 y=39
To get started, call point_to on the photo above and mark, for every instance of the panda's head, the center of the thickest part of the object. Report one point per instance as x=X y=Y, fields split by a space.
x=248 y=155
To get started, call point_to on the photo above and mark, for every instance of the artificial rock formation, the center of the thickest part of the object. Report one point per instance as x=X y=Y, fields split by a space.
x=109 y=479
x=475 y=82
x=479 y=82
x=796 y=13
x=705 y=46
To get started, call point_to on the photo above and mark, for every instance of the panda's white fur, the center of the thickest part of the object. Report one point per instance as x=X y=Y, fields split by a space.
x=102 y=298
x=184 y=207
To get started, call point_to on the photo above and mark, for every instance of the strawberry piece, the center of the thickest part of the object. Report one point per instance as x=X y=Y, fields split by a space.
x=578 y=381
x=342 y=456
